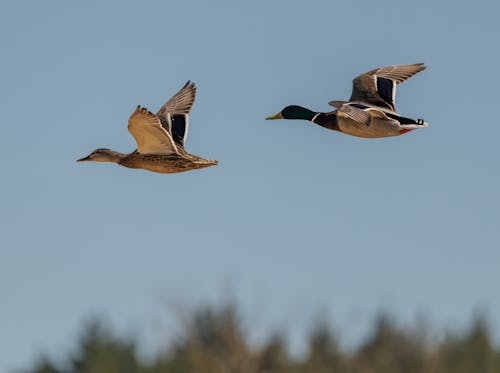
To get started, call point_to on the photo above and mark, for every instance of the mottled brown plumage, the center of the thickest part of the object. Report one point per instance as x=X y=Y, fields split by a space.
x=160 y=138
x=165 y=163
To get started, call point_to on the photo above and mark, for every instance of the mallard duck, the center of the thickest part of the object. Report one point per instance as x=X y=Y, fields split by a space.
x=160 y=138
x=370 y=112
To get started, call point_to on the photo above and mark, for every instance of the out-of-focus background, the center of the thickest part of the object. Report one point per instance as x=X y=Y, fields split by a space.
x=296 y=227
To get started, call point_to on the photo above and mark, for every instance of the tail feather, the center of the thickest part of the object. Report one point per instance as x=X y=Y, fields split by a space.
x=419 y=123
x=408 y=123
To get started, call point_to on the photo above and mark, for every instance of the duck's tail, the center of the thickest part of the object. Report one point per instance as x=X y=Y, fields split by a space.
x=408 y=123
x=414 y=124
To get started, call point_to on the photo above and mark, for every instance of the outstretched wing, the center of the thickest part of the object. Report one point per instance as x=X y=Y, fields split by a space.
x=149 y=134
x=174 y=115
x=378 y=87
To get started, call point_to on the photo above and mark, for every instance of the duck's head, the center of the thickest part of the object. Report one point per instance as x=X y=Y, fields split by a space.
x=294 y=112
x=101 y=155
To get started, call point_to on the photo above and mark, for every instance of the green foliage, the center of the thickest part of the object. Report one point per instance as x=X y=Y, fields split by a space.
x=324 y=354
x=471 y=352
x=273 y=356
x=214 y=341
x=44 y=365
x=391 y=349
x=101 y=352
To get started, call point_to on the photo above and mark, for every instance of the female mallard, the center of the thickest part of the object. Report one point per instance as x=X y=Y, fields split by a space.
x=160 y=138
x=370 y=112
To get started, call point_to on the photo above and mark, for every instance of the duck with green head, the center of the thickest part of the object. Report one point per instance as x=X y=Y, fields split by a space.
x=370 y=112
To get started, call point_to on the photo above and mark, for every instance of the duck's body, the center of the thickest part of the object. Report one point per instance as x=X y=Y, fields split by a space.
x=370 y=112
x=373 y=122
x=164 y=163
x=160 y=138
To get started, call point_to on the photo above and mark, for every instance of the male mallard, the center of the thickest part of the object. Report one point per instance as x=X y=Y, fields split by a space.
x=370 y=112
x=160 y=138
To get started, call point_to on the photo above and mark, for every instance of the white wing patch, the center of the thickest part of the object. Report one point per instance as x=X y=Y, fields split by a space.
x=149 y=134
x=186 y=130
x=169 y=123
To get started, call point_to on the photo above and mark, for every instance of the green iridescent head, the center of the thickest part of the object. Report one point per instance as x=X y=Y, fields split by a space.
x=294 y=112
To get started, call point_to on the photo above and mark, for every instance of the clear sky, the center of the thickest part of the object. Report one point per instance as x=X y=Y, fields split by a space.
x=296 y=219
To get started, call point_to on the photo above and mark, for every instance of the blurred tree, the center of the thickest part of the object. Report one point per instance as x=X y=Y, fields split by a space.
x=324 y=354
x=273 y=356
x=213 y=341
x=390 y=350
x=44 y=365
x=472 y=352
x=101 y=352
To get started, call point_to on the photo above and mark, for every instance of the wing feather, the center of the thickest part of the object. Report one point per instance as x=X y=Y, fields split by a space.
x=356 y=114
x=337 y=104
x=378 y=86
x=174 y=115
x=149 y=134
x=181 y=102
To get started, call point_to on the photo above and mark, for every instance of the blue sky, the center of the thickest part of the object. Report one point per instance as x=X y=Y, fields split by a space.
x=295 y=220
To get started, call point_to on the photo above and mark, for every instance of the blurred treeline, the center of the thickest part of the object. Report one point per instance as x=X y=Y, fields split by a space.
x=213 y=340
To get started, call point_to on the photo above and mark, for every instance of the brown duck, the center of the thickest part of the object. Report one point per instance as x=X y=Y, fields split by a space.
x=160 y=138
